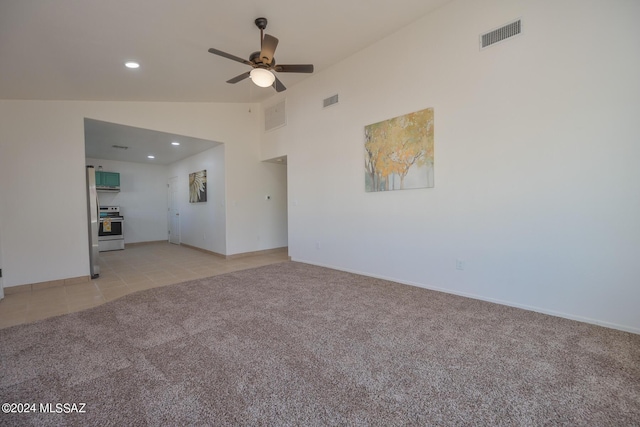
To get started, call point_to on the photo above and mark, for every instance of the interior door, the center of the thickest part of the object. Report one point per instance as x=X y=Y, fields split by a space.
x=173 y=211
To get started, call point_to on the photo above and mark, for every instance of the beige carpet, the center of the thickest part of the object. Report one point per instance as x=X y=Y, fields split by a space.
x=293 y=344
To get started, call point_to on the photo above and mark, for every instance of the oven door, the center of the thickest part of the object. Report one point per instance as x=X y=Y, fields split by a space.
x=115 y=231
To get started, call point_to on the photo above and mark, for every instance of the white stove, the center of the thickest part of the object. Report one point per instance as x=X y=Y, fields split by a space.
x=111 y=230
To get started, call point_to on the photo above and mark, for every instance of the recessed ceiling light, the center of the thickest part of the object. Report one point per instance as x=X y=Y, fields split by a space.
x=175 y=143
x=151 y=156
x=132 y=64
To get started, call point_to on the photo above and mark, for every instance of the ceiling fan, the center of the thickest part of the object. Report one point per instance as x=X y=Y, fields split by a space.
x=263 y=62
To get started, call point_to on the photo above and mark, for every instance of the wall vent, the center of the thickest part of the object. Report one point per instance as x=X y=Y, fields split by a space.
x=121 y=147
x=330 y=101
x=275 y=116
x=499 y=34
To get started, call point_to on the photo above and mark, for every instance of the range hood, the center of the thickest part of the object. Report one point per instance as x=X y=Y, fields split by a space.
x=104 y=189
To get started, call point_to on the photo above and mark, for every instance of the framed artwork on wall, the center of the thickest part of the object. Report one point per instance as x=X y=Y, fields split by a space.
x=198 y=187
x=399 y=152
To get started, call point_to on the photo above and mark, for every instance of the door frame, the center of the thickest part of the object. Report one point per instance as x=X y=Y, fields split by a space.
x=173 y=211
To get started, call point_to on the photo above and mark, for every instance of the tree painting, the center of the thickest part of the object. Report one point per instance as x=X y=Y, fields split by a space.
x=399 y=152
x=198 y=187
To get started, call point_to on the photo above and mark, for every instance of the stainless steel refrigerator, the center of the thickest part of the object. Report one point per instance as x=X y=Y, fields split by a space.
x=94 y=224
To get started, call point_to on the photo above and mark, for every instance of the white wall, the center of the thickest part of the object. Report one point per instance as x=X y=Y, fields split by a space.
x=142 y=198
x=42 y=172
x=1 y=279
x=42 y=176
x=536 y=179
x=203 y=224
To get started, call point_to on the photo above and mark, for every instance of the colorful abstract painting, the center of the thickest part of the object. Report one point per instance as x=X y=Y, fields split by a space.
x=198 y=187
x=399 y=152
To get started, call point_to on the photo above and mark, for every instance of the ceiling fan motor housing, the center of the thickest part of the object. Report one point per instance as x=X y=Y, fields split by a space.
x=255 y=58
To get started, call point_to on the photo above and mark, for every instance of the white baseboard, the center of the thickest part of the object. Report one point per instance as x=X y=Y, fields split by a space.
x=569 y=316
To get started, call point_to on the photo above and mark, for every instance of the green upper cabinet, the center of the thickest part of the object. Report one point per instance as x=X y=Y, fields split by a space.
x=107 y=180
x=111 y=179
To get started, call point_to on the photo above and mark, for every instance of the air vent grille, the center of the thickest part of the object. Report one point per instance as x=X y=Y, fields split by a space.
x=492 y=37
x=330 y=101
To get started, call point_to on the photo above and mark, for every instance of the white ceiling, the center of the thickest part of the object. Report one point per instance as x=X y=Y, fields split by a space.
x=75 y=50
x=100 y=138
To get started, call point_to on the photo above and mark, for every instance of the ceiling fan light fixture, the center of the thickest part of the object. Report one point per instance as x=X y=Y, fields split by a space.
x=262 y=77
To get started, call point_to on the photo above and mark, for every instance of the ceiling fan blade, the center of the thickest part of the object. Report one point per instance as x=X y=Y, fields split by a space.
x=269 y=44
x=278 y=86
x=239 y=78
x=296 y=68
x=229 y=56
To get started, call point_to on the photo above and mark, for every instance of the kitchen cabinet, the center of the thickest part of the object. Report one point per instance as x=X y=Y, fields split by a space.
x=107 y=180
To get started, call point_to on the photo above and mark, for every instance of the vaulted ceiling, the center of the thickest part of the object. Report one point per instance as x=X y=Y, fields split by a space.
x=76 y=50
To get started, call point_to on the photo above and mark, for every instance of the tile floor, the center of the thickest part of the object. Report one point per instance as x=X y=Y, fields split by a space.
x=123 y=272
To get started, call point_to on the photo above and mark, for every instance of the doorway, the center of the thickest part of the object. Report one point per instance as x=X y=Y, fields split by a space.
x=173 y=211
x=274 y=221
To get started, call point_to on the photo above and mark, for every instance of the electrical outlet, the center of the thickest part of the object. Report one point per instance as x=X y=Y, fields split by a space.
x=460 y=264
x=317 y=245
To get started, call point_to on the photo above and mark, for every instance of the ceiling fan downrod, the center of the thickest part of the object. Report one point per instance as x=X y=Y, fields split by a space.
x=262 y=24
